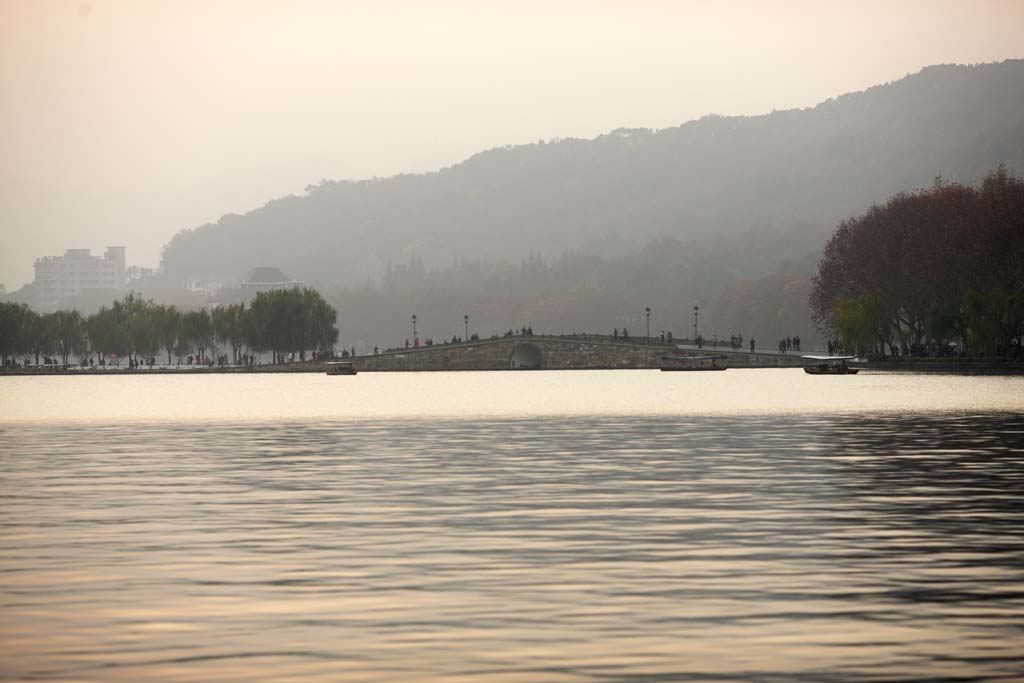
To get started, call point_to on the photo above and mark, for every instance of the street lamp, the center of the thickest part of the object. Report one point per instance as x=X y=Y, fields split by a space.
x=465 y=319
x=648 y=311
x=414 y=330
x=695 y=309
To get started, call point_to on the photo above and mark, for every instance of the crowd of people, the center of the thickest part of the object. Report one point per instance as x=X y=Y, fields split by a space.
x=735 y=341
x=788 y=344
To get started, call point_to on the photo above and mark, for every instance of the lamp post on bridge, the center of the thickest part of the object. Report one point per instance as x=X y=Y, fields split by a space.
x=695 y=309
x=465 y=319
x=648 y=311
x=415 y=341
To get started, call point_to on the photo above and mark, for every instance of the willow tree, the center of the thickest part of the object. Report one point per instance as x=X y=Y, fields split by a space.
x=227 y=328
x=137 y=319
x=107 y=335
x=197 y=330
x=68 y=333
x=167 y=320
x=289 y=321
x=863 y=323
x=15 y=331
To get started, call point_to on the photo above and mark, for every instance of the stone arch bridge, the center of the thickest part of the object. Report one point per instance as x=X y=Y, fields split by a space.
x=565 y=352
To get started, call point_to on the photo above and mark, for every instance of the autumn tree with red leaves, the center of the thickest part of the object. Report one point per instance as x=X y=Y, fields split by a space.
x=941 y=265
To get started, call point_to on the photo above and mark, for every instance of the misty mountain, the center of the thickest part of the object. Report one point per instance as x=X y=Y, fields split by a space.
x=792 y=174
x=574 y=293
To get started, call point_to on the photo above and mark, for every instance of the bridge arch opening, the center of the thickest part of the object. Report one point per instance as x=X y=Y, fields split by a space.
x=526 y=357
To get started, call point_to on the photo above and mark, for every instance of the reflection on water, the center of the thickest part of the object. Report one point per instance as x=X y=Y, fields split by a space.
x=569 y=393
x=687 y=548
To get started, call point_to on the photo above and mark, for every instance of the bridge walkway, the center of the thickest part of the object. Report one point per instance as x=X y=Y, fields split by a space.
x=557 y=352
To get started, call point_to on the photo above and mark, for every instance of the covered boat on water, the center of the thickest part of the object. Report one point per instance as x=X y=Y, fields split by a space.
x=341 y=368
x=830 y=365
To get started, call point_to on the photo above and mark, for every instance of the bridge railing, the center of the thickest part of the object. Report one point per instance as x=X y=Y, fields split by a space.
x=576 y=336
x=707 y=345
x=606 y=339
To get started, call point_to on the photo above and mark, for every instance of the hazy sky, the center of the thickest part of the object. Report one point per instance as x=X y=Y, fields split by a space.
x=123 y=122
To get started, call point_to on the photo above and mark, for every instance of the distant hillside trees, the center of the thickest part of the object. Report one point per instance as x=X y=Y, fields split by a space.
x=284 y=321
x=726 y=212
x=709 y=179
x=929 y=268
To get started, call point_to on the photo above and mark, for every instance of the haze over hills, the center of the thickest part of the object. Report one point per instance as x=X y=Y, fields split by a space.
x=729 y=213
x=791 y=172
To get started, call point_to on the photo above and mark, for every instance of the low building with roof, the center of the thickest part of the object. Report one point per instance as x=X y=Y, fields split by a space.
x=210 y=285
x=267 y=279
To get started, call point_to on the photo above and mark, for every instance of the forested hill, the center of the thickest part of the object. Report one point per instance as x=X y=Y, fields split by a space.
x=715 y=177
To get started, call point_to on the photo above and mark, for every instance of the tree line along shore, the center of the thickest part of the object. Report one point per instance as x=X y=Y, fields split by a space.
x=132 y=330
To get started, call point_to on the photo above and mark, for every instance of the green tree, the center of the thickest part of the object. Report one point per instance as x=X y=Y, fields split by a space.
x=107 y=335
x=863 y=323
x=946 y=324
x=227 y=327
x=15 y=331
x=137 y=316
x=168 y=328
x=985 y=314
x=41 y=334
x=234 y=333
x=68 y=334
x=289 y=320
x=197 y=328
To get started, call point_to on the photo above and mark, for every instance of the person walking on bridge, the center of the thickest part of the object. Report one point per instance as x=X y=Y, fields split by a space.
x=751 y=344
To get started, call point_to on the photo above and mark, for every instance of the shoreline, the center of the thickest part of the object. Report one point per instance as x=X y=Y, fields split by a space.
x=48 y=371
x=981 y=366
x=918 y=366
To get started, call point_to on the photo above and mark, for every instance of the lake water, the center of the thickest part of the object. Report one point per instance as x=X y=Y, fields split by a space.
x=521 y=526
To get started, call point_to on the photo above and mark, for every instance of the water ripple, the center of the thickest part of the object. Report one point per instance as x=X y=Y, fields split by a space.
x=770 y=548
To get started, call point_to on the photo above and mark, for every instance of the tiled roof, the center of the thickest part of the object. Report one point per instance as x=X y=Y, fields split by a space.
x=265 y=274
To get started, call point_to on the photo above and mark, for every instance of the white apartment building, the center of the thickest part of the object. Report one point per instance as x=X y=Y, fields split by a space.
x=60 y=277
